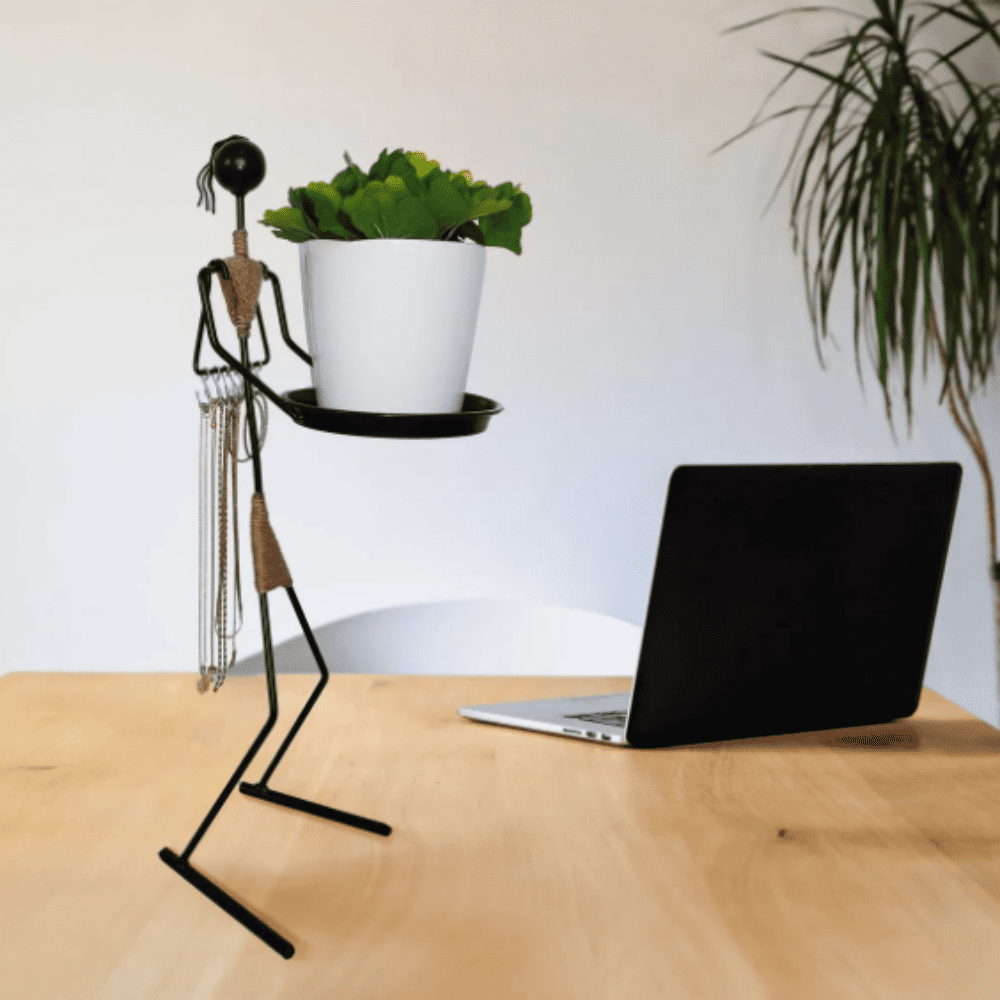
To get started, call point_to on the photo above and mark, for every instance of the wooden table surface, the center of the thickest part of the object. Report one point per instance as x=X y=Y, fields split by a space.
x=856 y=863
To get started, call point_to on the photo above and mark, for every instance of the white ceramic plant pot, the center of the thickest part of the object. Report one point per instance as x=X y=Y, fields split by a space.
x=390 y=323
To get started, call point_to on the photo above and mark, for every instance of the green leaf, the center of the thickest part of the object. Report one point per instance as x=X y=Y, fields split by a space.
x=364 y=212
x=447 y=206
x=421 y=165
x=403 y=169
x=379 y=215
x=379 y=170
x=288 y=224
x=460 y=180
x=503 y=228
x=349 y=180
x=410 y=219
x=489 y=205
x=327 y=192
x=326 y=208
x=470 y=231
x=397 y=186
x=380 y=192
x=296 y=200
x=396 y=165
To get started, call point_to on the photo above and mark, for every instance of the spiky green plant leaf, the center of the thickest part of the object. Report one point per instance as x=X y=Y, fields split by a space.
x=886 y=170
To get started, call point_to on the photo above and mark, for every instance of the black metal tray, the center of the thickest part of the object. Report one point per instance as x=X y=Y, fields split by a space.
x=471 y=419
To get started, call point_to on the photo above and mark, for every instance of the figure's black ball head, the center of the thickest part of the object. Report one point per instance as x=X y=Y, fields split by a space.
x=238 y=165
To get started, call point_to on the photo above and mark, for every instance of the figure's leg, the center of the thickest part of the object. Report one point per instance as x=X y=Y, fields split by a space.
x=181 y=863
x=270 y=572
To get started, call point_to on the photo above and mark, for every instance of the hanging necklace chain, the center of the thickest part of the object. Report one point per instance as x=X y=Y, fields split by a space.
x=220 y=599
x=204 y=540
x=260 y=410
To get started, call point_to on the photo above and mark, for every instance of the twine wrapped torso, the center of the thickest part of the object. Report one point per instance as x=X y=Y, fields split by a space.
x=241 y=294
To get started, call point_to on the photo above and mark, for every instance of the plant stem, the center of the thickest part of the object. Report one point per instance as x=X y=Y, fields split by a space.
x=971 y=434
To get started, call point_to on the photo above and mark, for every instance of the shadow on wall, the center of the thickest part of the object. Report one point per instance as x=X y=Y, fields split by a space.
x=464 y=637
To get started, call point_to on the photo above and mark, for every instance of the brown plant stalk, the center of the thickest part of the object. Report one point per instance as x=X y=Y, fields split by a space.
x=971 y=434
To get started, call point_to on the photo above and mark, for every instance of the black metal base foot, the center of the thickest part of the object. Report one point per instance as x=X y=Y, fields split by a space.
x=315 y=809
x=238 y=911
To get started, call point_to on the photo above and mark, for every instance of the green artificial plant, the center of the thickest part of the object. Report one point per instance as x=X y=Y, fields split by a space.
x=896 y=175
x=403 y=196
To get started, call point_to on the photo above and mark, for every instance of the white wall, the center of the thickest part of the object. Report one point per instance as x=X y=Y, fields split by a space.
x=654 y=318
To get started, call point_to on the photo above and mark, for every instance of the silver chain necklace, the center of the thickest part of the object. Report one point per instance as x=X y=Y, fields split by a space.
x=220 y=599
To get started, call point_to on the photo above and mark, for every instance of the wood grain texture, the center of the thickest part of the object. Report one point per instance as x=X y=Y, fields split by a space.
x=850 y=864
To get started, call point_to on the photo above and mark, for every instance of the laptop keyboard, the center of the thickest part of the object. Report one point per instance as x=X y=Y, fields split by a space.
x=603 y=718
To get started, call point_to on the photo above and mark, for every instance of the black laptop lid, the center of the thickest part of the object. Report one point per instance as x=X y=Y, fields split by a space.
x=789 y=598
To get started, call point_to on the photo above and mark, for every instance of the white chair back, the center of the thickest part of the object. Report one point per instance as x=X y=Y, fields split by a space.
x=465 y=637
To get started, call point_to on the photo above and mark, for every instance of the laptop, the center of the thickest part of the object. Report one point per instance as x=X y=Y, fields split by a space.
x=785 y=599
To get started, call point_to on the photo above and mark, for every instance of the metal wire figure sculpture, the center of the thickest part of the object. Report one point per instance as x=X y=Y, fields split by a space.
x=239 y=166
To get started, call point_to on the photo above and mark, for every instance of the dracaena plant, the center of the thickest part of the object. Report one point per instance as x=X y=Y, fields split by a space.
x=895 y=177
x=403 y=196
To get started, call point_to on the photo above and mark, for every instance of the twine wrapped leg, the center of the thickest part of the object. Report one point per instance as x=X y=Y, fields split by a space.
x=270 y=570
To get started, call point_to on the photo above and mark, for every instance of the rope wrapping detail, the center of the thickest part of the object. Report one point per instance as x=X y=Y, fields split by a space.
x=241 y=294
x=270 y=570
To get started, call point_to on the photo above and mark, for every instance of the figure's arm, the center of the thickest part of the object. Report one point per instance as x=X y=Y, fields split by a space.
x=280 y=305
x=208 y=324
